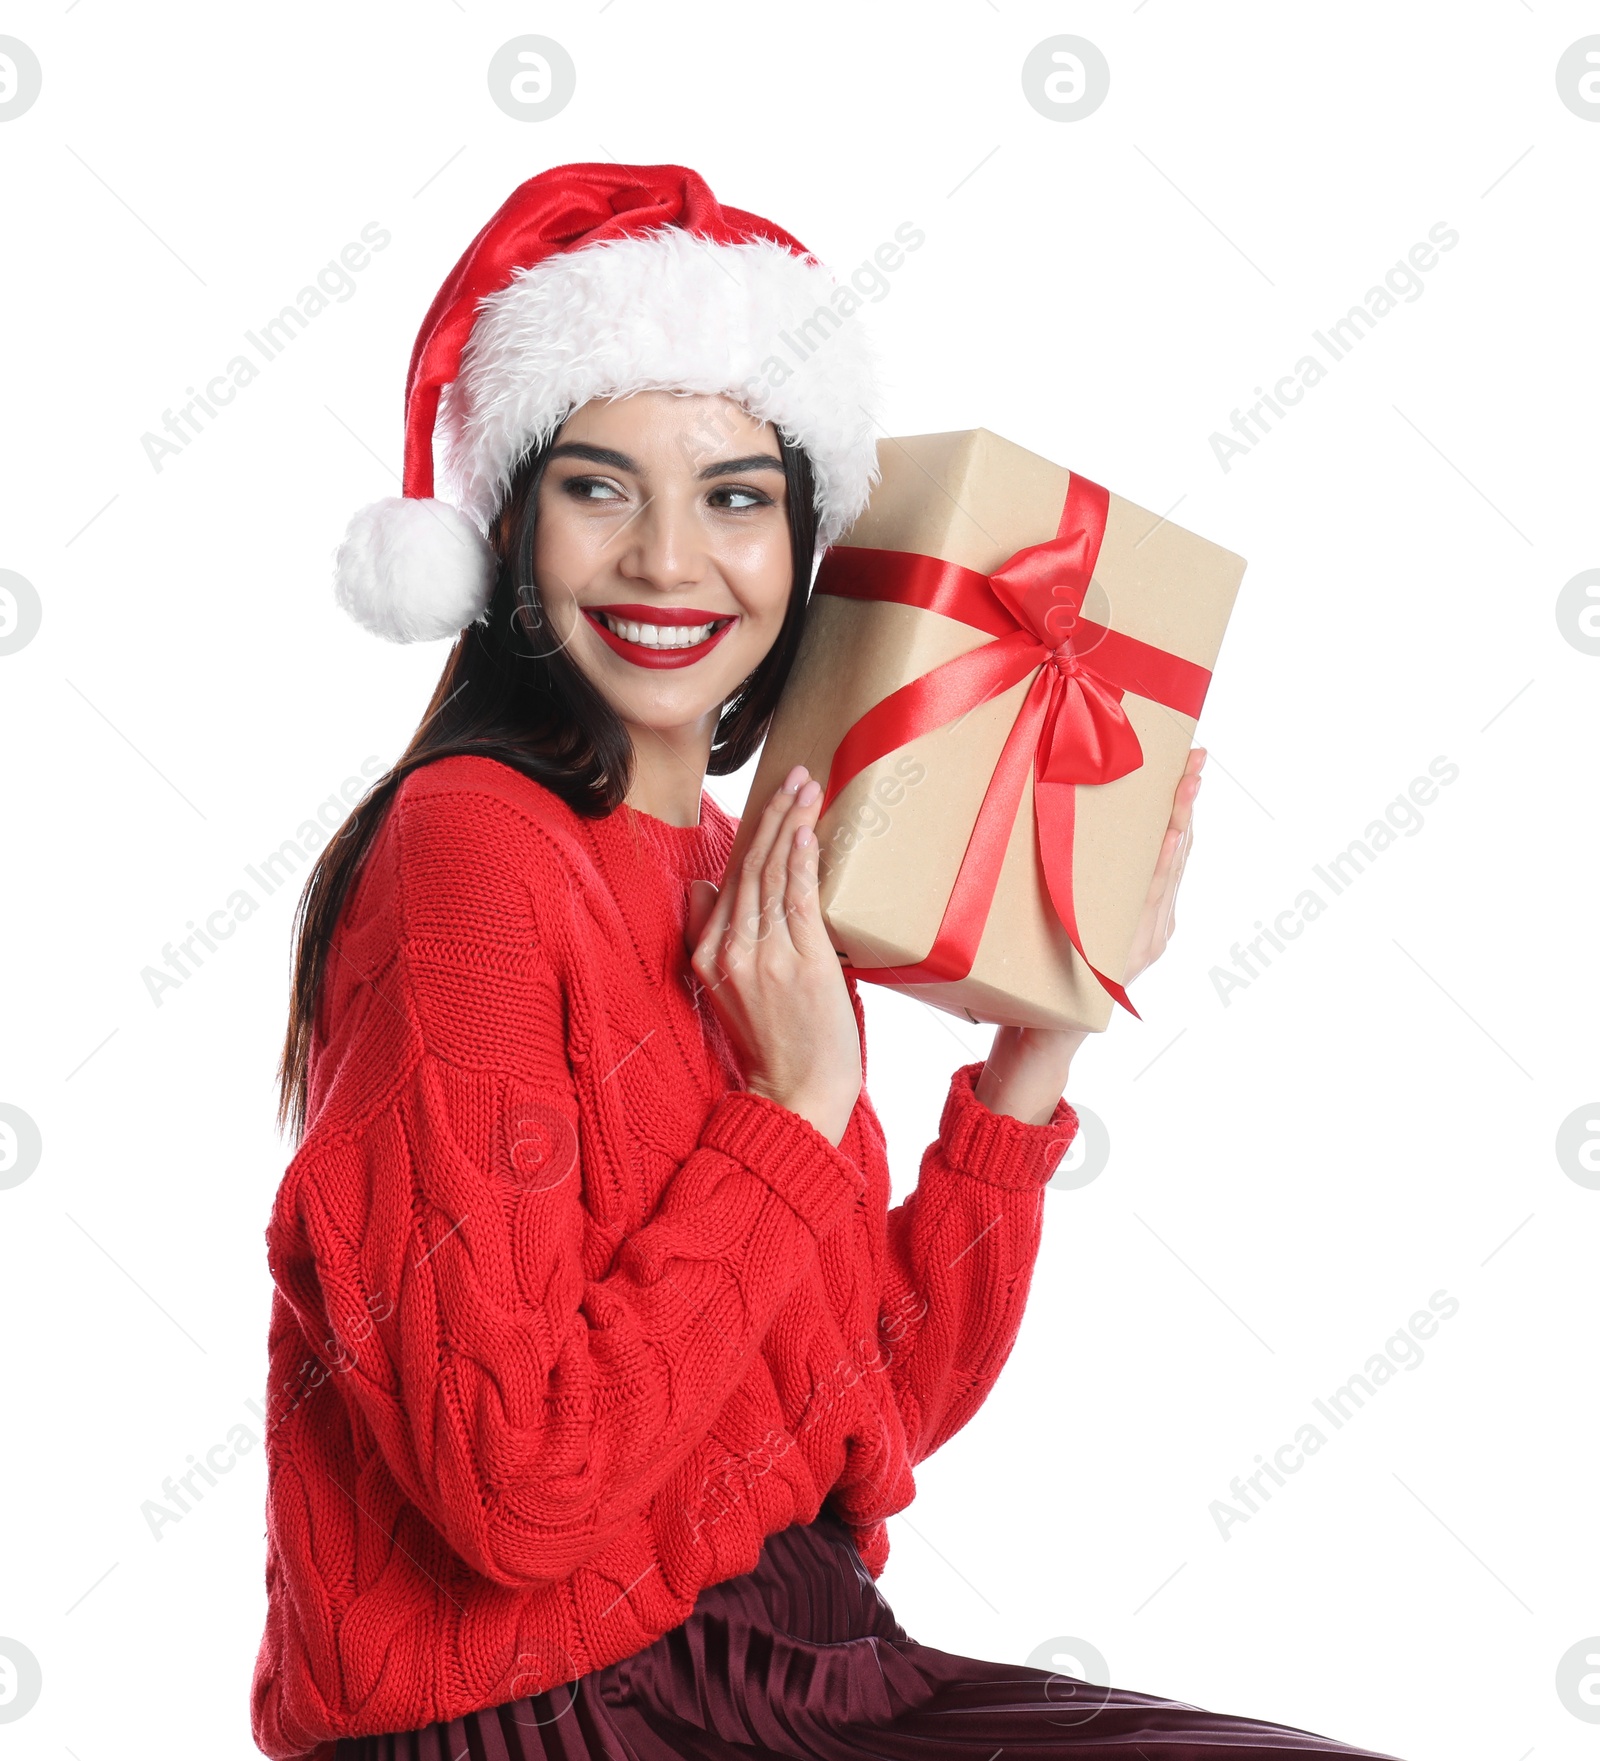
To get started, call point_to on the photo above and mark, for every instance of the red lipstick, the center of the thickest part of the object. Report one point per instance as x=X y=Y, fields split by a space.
x=674 y=616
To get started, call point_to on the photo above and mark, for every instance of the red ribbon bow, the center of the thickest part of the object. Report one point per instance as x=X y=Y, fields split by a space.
x=1071 y=728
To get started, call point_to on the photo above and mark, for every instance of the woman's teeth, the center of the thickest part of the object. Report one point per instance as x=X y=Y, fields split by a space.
x=659 y=635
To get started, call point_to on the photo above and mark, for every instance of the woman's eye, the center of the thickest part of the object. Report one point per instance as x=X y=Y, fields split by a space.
x=591 y=489
x=740 y=497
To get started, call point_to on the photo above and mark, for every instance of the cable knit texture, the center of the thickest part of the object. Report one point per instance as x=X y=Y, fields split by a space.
x=565 y=1321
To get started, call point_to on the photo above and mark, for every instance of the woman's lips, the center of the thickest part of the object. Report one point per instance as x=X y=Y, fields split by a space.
x=672 y=617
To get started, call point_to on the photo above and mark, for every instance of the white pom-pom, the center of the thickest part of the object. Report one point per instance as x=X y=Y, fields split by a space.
x=413 y=571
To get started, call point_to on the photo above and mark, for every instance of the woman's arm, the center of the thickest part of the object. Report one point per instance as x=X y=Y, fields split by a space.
x=962 y=1246
x=961 y=1251
x=529 y=1382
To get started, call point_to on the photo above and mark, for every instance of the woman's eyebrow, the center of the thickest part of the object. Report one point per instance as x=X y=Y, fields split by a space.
x=596 y=455
x=756 y=461
x=620 y=461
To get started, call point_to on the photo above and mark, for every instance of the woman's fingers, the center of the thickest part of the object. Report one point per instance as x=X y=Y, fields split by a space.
x=1177 y=843
x=802 y=912
x=1183 y=800
x=1186 y=844
x=1169 y=860
x=775 y=871
x=1160 y=905
x=720 y=922
x=775 y=881
x=1150 y=938
x=777 y=898
x=706 y=951
x=1188 y=790
x=745 y=925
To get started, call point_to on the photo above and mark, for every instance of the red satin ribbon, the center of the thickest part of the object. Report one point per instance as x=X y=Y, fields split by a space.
x=1071 y=727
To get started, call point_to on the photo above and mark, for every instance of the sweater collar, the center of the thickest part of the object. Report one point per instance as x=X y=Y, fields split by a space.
x=648 y=865
x=690 y=852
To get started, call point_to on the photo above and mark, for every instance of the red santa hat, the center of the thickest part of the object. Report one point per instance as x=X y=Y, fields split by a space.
x=597 y=281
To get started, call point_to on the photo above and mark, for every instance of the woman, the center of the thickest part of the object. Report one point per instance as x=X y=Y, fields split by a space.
x=598 y=1358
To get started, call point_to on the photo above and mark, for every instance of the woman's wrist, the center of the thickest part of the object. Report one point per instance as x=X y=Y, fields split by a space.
x=829 y=1112
x=1025 y=1074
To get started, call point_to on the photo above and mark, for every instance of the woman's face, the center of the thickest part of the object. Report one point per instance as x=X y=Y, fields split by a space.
x=662 y=552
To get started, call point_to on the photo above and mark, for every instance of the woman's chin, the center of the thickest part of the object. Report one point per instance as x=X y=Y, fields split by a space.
x=669 y=715
x=667 y=698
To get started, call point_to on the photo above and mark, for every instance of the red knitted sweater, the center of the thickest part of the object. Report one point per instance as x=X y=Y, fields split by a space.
x=565 y=1321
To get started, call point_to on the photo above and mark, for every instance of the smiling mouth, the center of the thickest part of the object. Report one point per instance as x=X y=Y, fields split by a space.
x=665 y=636
x=658 y=636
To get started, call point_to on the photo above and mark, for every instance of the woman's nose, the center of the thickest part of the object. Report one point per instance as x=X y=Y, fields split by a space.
x=661 y=545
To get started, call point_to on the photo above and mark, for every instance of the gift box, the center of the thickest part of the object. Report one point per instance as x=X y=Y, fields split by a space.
x=1002 y=669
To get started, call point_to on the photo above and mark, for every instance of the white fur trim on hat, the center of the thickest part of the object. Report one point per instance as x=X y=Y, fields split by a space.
x=666 y=311
x=413 y=570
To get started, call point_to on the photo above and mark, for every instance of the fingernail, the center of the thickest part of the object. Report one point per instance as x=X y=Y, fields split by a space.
x=792 y=781
x=810 y=793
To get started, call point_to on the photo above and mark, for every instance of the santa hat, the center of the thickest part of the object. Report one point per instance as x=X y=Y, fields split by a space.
x=595 y=281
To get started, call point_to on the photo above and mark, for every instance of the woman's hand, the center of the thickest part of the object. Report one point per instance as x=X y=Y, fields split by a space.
x=759 y=946
x=1026 y=1071
x=1156 y=924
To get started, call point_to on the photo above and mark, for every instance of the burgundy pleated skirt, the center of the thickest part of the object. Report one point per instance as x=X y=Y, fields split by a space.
x=803 y=1658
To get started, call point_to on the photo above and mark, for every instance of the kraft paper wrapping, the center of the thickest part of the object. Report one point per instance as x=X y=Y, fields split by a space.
x=892 y=842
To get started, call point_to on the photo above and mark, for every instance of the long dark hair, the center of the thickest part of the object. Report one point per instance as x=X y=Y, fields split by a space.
x=509 y=693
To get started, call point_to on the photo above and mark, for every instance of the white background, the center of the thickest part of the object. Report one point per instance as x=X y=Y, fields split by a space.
x=1291 y=1174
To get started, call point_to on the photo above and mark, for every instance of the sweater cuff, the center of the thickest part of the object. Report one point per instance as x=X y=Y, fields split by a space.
x=815 y=1178
x=995 y=1147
